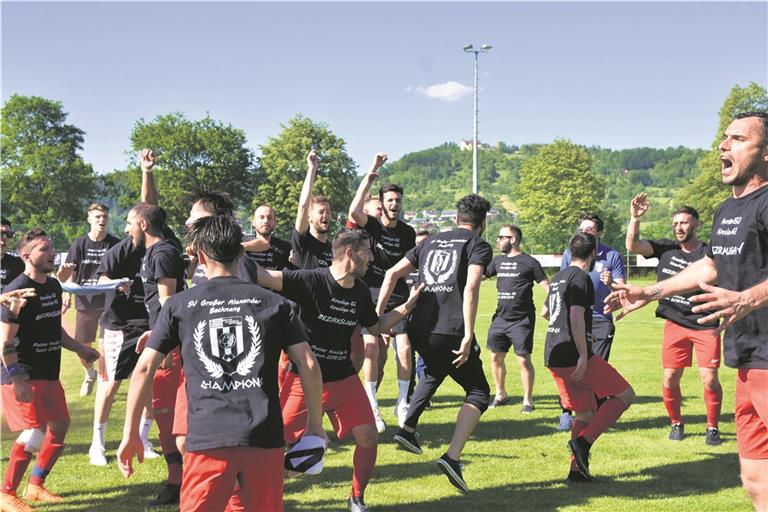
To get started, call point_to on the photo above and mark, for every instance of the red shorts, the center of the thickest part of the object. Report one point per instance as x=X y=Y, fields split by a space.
x=344 y=401
x=283 y=369
x=752 y=413
x=48 y=404
x=680 y=342
x=600 y=379
x=180 y=410
x=210 y=476
x=165 y=384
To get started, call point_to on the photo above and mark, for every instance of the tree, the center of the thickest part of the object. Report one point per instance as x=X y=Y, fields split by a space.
x=44 y=179
x=556 y=185
x=706 y=191
x=282 y=167
x=192 y=155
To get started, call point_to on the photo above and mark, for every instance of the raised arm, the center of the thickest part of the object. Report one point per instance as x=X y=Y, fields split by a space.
x=356 y=208
x=149 y=192
x=637 y=209
x=302 y=215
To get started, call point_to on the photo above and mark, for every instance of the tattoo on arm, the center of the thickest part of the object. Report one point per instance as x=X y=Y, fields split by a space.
x=8 y=350
x=656 y=292
x=636 y=236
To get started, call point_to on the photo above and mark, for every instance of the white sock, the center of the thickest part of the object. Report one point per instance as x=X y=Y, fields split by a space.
x=370 y=390
x=146 y=424
x=402 y=391
x=99 y=435
x=90 y=373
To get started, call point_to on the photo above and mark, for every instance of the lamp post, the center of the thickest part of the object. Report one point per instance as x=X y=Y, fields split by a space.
x=471 y=49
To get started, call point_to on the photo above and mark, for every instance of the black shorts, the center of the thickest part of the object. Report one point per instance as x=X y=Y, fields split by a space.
x=120 y=357
x=602 y=336
x=504 y=334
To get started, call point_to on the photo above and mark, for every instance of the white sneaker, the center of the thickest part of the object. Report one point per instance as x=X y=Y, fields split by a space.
x=86 y=388
x=96 y=456
x=381 y=427
x=149 y=450
x=401 y=413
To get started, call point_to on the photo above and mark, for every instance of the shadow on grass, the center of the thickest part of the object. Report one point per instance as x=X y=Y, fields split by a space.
x=137 y=495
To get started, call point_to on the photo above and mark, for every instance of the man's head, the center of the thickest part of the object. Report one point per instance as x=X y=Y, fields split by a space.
x=353 y=247
x=744 y=149
x=144 y=219
x=205 y=203
x=264 y=220
x=372 y=207
x=422 y=235
x=685 y=222
x=218 y=237
x=6 y=234
x=391 y=197
x=582 y=247
x=37 y=251
x=509 y=236
x=98 y=217
x=590 y=223
x=472 y=209
x=320 y=214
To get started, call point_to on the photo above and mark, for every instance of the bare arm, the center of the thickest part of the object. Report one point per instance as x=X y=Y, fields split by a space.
x=166 y=288
x=401 y=269
x=149 y=192
x=256 y=245
x=88 y=354
x=637 y=209
x=302 y=215
x=66 y=272
x=469 y=309
x=579 y=334
x=270 y=279
x=356 y=208
x=544 y=285
x=388 y=320
x=311 y=384
x=729 y=305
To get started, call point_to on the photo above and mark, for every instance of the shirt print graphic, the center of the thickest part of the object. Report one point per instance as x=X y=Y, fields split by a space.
x=440 y=266
x=234 y=344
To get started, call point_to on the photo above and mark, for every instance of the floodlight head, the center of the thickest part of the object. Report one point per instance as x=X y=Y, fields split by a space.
x=486 y=47
x=468 y=48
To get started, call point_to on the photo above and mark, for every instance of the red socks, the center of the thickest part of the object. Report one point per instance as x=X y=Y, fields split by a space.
x=673 y=399
x=362 y=468
x=713 y=400
x=605 y=417
x=50 y=451
x=18 y=461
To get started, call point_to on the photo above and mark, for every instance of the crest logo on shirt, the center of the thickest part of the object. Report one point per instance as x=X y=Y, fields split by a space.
x=554 y=307
x=440 y=266
x=227 y=342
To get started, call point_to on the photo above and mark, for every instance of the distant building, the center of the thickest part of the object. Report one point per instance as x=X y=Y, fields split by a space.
x=466 y=145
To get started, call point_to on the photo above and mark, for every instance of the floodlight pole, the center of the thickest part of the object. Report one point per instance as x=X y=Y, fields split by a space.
x=470 y=49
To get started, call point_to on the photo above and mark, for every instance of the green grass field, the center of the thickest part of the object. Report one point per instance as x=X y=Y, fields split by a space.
x=512 y=462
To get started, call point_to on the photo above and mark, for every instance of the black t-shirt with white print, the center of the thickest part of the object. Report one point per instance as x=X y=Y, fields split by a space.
x=39 y=336
x=388 y=245
x=124 y=312
x=231 y=334
x=515 y=276
x=672 y=259
x=443 y=260
x=309 y=252
x=274 y=258
x=86 y=254
x=330 y=313
x=569 y=287
x=10 y=268
x=739 y=246
x=162 y=260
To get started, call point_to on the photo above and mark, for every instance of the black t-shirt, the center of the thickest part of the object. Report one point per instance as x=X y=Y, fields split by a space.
x=274 y=258
x=309 y=252
x=330 y=313
x=87 y=255
x=231 y=334
x=39 y=336
x=739 y=246
x=123 y=312
x=10 y=268
x=247 y=270
x=443 y=260
x=569 y=287
x=388 y=245
x=672 y=259
x=162 y=260
x=514 y=284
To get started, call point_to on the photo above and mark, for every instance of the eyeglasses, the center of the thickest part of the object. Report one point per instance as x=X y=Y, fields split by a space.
x=502 y=236
x=7 y=234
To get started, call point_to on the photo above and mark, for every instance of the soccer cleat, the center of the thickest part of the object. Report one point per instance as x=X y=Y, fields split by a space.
x=677 y=432
x=713 y=437
x=149 y=451
x=580 y=450
x=452 y=469
x=168 y=495
x=356 y=504
x=381 y=427
x=96 y=456
x=401 y=413
x=566 y=422
x=86 y=388
x=39 y=493
x=408 y=441
x=498 y=403
x=11 y=503
x=576 y=477
x=527 y=409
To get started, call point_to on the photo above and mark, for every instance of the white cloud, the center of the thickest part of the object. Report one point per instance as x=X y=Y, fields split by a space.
x=448 y=91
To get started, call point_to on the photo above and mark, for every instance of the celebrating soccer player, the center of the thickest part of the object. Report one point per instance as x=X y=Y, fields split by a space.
x=309 y=239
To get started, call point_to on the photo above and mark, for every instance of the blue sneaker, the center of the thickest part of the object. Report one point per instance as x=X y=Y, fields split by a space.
x=566 y=422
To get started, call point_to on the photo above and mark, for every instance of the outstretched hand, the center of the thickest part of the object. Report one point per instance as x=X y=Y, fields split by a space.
x=725 y=305
x=639 y=205
x=625 y=298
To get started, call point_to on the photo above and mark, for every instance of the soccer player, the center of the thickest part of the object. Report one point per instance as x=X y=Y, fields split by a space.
x=265 y=248
x=83 y=259
x=451 y=266
x=309 y=239
x=515 y=316
x=682 y=332
x=333 y=301
x=10 y=266
x=737 y=259
x=33 y=398
x=582 y=376
x=391 y=238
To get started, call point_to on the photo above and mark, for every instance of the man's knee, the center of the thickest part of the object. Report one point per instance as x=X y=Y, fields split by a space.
x=366 y=436
x=584 y=416
x=627 y=396
x=479 y=397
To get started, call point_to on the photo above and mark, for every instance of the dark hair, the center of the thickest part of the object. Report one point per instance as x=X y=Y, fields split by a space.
x=217 y=236
x=29 y=236
x=98 y=206
x=423 y=232
x=262 y=206
x=390 y=187
x=5 y=222
x=690 y=210
x=216 y=203
x=319 y=199
x=516 y=231
x=153 y=215
x=763 y=116
x=471 y=209
x=355 y=238
x=594 y=218
x=582 y=245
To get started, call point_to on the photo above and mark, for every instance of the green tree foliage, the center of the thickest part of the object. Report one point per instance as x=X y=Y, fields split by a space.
x=556 y=185
x=44 y=179
x=706 y=191
x=282 y=167
x=192 y=155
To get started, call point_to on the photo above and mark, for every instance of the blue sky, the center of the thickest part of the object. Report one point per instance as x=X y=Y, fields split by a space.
x=610 y=74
